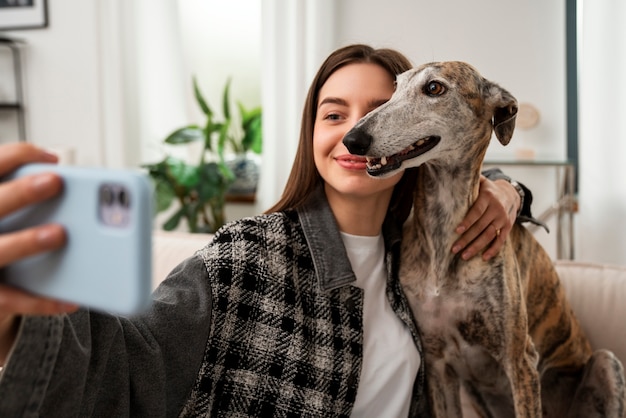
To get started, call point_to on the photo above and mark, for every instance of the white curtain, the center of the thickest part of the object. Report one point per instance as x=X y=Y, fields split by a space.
x=601 y=223
x=141 y=46
x=296 y=37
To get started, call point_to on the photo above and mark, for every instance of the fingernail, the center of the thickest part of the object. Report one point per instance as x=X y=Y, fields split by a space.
x=460 y=229
x=456 y=249
x=46 y=236
x=42 y=182
x=466 y=255
x=49 y=156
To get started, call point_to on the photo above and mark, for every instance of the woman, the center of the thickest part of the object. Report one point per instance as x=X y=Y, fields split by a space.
x=294 y=312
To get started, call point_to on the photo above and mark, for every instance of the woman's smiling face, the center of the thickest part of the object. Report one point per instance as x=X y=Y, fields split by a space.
x=348 y=94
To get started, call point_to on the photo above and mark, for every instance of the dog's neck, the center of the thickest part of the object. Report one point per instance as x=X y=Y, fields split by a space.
x=443 y=195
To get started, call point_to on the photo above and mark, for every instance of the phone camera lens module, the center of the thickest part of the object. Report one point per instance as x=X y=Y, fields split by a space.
x=107 y=196
x=123 y=198
x=114 y=205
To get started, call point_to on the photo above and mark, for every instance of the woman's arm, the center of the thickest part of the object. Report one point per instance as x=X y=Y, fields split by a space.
x=88 y=362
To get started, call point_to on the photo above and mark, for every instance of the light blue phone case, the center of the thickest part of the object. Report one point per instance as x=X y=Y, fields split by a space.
x=106 y=264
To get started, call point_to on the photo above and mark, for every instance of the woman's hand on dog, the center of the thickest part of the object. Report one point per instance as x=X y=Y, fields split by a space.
x=489 y=220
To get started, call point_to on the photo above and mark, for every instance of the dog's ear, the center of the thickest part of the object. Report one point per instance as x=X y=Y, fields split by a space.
x=504 y=107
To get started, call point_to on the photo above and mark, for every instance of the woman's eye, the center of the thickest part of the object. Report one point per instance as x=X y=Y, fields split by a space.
x=332 y=116
x=434 y=88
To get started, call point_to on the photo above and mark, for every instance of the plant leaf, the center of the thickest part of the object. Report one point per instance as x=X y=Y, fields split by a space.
x=185 y=135
x=206 y=109
x=163 y=194
x=226 y=100
x=210 y=182
x=251 y=124
x=182 y=173
x=248 y=115
x=253 y=135
x=209 y=130
x=223 y=138
x=227 y=173
x=191 y=213
x=174 y=220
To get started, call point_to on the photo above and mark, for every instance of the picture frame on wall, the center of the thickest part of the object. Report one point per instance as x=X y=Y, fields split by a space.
x=23 y=14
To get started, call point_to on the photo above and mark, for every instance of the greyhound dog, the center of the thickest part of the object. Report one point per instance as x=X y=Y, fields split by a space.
x=501 y=329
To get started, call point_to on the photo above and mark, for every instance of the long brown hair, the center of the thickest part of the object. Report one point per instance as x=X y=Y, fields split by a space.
x=304 y=176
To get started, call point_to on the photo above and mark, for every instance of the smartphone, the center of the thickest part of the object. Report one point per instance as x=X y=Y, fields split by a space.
x=106 y=264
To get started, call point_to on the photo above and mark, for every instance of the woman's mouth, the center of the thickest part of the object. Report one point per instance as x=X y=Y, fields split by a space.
x=352 y=162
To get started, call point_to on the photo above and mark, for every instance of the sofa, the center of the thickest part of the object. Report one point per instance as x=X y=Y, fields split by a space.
x=597 y=292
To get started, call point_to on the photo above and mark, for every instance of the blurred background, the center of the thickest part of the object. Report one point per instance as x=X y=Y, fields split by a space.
x=105 y=81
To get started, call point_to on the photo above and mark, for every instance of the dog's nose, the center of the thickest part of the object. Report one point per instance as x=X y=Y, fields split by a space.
x=357 y=141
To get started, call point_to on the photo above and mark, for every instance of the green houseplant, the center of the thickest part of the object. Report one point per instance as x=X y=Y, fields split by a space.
x=200 y=189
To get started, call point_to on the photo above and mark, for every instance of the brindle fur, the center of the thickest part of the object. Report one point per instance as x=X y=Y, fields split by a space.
x=503 y=328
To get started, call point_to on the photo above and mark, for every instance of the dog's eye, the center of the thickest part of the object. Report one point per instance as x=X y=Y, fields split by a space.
x=434 y=88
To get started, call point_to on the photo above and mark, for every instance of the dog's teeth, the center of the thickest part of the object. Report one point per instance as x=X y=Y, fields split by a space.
x=383 y=161
x=420 y=142
x=368 y=159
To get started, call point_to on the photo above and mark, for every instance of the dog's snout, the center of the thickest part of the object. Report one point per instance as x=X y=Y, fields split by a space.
x=357 y=141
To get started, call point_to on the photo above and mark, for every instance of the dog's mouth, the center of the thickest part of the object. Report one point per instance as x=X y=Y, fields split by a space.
x=384 y=165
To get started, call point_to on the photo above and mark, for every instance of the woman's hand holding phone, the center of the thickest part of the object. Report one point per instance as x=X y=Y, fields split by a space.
x=14 y=195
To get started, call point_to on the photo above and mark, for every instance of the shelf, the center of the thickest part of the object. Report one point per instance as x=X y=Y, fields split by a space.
x=565 y=205
x=16 y=106
x=528 y=162
x=10 y=106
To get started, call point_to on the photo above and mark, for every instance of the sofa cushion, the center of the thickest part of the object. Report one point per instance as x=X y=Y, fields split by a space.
x=597 y=294
x=171 y=248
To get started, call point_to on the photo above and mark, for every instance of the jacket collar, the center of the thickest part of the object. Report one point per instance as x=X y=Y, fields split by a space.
x=332 y=266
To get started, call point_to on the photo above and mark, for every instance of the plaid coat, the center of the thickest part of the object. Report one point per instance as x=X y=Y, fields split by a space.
x=286 y=337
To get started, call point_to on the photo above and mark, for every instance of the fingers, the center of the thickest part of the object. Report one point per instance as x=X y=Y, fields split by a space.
x=28 y=190
x=497 y=242
x=16 y=154
x=487 y=223
x=21 y=192
x=487 y=233
x=20 y=244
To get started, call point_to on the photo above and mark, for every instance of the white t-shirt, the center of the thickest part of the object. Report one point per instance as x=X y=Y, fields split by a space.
x=390 y=358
